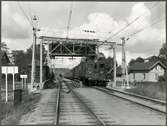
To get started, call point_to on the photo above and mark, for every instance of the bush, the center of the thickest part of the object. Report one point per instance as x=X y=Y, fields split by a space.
x=6 y=108
x=12 y=115
x=161 y=78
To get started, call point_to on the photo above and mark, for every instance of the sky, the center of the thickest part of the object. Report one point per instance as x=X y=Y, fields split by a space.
x=105 y=18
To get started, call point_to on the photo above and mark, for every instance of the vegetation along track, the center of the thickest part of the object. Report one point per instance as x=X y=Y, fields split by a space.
x=156 y=105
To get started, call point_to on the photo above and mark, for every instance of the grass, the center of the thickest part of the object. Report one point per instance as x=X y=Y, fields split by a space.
x=150 y=89
x=11 y=115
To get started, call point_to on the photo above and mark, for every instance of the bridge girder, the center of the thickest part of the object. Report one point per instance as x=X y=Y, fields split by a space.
x=72 y=47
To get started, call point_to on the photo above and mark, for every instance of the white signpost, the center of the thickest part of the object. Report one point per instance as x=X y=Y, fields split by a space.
x=9 y=70
x=23 y=77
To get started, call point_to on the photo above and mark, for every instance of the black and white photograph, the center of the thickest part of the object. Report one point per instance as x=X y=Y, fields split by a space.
x=91 y=63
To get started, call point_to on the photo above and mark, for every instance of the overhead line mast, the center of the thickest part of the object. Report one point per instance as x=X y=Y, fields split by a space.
x=31 y=22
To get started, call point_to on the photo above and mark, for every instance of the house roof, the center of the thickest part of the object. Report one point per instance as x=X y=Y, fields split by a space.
x=142 y=67
x=146 y=66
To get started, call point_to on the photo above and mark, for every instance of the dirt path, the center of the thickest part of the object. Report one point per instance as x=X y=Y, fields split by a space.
x=35 y=116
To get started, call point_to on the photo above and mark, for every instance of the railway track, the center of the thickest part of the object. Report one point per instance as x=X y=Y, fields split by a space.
x=155 y=105
x=67 y=106
x=72 y=110
x=63 y=106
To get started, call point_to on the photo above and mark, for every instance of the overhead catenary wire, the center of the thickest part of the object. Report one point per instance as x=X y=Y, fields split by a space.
x=133 y=21
x=155 y=22
x=29 y=10
x=29 y=20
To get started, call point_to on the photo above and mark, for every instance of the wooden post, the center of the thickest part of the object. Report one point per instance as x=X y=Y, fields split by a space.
x=41 y=62
x=6 y=75
x=13 y=82
x=26 y=84
x=22 y=83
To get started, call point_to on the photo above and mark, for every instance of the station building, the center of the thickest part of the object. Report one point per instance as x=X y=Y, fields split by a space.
x=146 y=71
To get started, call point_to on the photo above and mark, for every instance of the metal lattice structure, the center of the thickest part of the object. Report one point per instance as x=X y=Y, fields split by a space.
x=78 y=48
x=72 y=47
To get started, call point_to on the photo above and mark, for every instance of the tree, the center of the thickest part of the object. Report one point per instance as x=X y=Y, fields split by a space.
x=109 y=63
x=132 y=62
x=4 y=47
x=140 y=60
x=163 y=54
x=163 y=58
x=153 y=59
x=22 y=59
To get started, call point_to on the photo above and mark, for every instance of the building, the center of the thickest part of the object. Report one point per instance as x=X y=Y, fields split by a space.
x=146 y=71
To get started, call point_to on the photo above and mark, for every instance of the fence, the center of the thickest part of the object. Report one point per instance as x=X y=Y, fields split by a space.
x=18 y=86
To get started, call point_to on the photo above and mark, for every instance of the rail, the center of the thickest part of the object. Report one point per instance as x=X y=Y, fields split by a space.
x=56 y=121
x=152 y=105
x=99 y=121
x=139 y=96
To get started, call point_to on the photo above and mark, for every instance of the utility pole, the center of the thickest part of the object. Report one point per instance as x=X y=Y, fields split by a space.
x=33 y=60
x=125 y=78
x=41 y=63
x=123 y=62
x=114 y=56
x=126 y=71
x=33 y=54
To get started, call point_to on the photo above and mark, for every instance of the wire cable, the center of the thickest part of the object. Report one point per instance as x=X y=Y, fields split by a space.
x=156 y=22
x=29 y=20
x=137 y=18
x=30 y=12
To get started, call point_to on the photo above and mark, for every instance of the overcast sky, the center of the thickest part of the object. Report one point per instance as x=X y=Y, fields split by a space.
x=102 y=17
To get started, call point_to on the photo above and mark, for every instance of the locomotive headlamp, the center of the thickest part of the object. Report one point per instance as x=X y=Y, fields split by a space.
x=89 y=72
